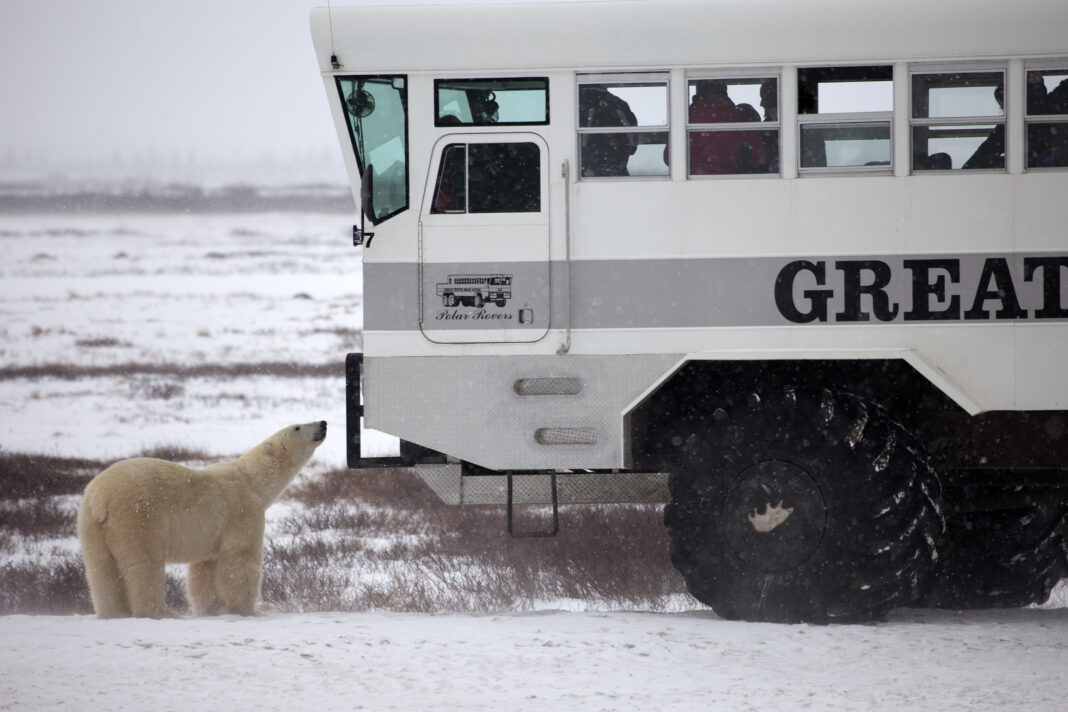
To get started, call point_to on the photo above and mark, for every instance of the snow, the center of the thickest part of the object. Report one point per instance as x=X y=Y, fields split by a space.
x=175 y=291
x=919 y=660
x=186 y=291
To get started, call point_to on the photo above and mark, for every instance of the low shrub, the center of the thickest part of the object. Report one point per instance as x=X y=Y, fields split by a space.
x=37 y=518
x=57 y=588
x=23 y=476
x=363 y=540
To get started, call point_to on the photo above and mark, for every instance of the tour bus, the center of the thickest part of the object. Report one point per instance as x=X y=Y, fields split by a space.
x=475 y=290
x=797 y=269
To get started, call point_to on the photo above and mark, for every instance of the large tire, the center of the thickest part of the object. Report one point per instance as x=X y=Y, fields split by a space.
x=1001 y=559
x=864 y=523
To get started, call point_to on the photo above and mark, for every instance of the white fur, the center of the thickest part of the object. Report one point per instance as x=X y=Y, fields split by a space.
x=140 y=514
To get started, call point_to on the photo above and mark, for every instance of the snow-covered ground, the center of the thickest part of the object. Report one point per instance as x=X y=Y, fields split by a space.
x=161 y=296
x=918 y=660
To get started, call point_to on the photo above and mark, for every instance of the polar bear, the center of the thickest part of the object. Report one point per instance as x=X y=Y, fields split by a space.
x=139 y=514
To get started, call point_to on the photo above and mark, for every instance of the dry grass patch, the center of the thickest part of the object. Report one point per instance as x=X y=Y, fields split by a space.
x=72 y=372
x=24 y=475
x=443 y=558
x=357 y=540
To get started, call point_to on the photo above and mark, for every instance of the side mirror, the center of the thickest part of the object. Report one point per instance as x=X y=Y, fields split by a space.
x=367 y=208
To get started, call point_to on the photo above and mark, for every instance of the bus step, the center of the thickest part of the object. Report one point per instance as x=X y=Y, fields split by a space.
x=532 y=534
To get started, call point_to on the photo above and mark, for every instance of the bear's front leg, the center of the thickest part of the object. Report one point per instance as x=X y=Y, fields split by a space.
x=202 y=590
x=239 y=568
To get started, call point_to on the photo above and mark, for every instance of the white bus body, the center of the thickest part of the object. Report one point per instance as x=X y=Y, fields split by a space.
x=879 y=227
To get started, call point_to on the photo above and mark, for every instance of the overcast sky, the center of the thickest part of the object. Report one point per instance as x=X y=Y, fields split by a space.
x=186 y=81
x=211 y=80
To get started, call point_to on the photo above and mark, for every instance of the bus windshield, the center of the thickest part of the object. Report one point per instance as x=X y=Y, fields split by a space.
x=376 y=111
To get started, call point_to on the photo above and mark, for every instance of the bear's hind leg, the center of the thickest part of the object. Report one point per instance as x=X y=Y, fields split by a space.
x=106 y=588
x=202 y=590
x=145 y=582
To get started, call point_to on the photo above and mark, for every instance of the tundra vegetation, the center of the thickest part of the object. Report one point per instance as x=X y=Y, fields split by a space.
x=344 y=540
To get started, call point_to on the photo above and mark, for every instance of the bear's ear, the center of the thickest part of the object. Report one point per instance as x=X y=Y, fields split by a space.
x=269 y=448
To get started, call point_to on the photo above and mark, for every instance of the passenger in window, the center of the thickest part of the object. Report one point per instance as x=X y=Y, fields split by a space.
x=503 y=178
x=769 y=100
x=484 y=108
x=720 y=152
x=1036 y=94
x=991 y=152
x=940 y=161
x=1047 y=142
x=746 y=112
x=605 y=154
x=1057 y=100
x=1047 y=145
x=745 y=162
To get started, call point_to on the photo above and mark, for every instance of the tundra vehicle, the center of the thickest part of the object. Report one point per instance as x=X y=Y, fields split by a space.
x=475 y=289
x=796 y=268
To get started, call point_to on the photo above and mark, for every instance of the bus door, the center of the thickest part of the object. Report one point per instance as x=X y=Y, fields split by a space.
x=484 y=240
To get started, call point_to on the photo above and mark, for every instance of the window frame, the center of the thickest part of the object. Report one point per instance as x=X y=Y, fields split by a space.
x=970 y=121
x=446 y=153
x=755 y=76
x=472 y=80
x=464 y=142
x=404 y=99
x=654 y=77
x=1059 y=66
x=804 y=119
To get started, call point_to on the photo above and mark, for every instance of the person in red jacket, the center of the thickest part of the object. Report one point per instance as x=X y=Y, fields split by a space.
x=722 y=152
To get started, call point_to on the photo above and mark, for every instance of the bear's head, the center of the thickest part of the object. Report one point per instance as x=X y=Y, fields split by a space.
x=293 y=446
x=276 y=461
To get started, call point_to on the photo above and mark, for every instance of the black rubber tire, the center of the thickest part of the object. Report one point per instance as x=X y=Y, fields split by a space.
x=1001 y=559
x=865 y=526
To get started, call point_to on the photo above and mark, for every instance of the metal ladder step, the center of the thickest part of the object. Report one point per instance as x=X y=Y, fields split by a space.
x=533 y=534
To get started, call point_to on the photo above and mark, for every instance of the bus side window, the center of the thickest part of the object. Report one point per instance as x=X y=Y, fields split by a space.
x=844 y=115
x=488 y=178
x=622 y=125
x=1047 y=118
x=958 y=120
x=721 y=137
x=502 y=101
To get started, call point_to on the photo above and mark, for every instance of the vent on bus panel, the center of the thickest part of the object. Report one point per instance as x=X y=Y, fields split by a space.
x=566 y=436
x=548 y=386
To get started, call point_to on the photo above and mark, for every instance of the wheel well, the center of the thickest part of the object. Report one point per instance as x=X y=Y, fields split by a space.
x=1006 y=439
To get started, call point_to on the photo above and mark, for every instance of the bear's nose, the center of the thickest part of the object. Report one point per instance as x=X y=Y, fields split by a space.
x=322 y=424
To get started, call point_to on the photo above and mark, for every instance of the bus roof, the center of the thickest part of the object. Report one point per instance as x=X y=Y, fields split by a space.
x=622 y=34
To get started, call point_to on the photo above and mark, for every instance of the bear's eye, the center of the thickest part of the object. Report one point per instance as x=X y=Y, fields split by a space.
x=297 y=429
